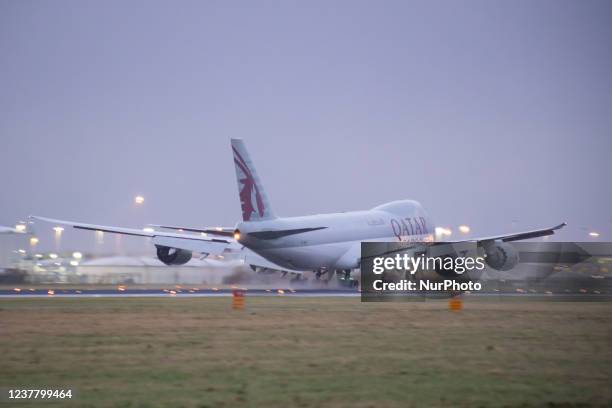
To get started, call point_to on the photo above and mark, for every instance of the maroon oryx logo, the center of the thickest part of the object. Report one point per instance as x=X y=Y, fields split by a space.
x=246 y=192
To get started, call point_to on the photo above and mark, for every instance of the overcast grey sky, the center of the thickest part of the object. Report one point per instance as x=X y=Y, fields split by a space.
x=487 y=112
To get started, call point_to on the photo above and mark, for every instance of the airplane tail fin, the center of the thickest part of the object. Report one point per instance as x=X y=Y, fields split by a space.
x=253 y=197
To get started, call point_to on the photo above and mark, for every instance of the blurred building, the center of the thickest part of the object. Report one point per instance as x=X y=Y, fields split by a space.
x=57 y=268
x=147 y=270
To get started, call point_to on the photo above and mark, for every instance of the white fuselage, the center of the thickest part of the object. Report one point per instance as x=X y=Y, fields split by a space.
x=333 y=241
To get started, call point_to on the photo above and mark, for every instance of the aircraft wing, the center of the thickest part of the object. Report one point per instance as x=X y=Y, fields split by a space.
x=221 y=231
x=483 y=240
x=518 y=236
x=189 y=242
x=8 y=230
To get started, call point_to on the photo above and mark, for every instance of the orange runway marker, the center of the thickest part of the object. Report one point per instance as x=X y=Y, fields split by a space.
x=238 y=299
x=455 y=303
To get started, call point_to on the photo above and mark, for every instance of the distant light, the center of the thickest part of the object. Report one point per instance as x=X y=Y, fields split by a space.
x=53 y=256
x=139 y=200
x=464 y=229
x=33 y=241
x=74 y=263
x=77 y=255
x=58 y=230
x=50 y=292
x=237 y=235
x=148 y=230
x=594 y=234
x=443 y=231
x=280 y=292
x=21 y=251
x=219 y=228
x=38 y=256
x=20 y=228
x=203 y=234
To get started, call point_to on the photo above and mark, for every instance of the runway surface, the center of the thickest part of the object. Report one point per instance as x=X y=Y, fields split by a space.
x=197 y=292
x=183 y=292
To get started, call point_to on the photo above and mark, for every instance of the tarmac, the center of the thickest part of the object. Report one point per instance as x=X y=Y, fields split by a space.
x=183 y=292
x=224 y=292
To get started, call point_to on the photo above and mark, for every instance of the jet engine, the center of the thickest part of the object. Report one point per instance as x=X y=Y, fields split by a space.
x=449 y=261
x=173 y=256
x=501 y=256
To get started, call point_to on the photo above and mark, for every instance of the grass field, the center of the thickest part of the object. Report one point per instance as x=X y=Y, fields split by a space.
x=308 y=352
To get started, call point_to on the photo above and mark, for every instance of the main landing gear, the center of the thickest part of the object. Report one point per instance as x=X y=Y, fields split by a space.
x=345 y=279
x=343 y=276
x=319 y=273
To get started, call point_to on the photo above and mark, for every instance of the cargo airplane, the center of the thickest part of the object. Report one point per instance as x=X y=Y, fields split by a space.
x=319 y=243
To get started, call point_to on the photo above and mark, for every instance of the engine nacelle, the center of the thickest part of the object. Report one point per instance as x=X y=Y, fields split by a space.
x=449 y=261
x=501 y=256
x=173 y=256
